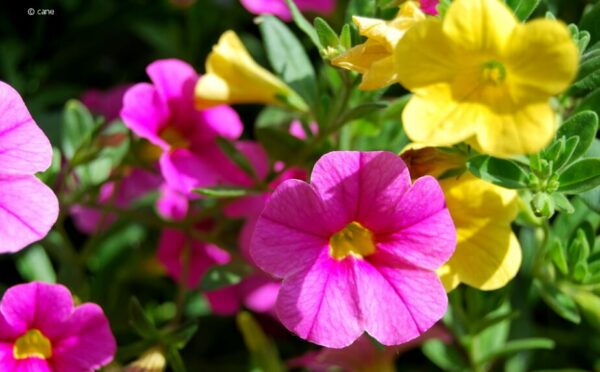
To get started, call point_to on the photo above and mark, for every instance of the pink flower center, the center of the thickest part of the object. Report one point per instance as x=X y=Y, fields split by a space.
x=354 y=239
x=32 y=344
x=174 y=138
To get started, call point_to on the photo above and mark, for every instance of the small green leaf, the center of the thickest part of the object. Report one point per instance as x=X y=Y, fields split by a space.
x=288 y=57
x=279 y=144
x=566 y=154
x=174 y=360
x=523 y=8
x=327 y=35
x=561 y=203
x=558 y=257
x=262 y=350
x=561 y=303
x=592 y=198
x=501 y=172
x=516 y=346
x=78 y=126
x=303 y=24
x=180 y=336
x=362 y=111
x=346 y=37
x=583 y=125
x=222 y=192
x=580 y=176
x=591 y=102
x=138 y=319
x=33 y=264
x=577 y=255
x=443 y=355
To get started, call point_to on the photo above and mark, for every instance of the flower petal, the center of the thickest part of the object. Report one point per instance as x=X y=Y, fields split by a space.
x=145 y=113
x=319 y=304
x=87 y=343
x=291 y=225
x=221 y=121
x=398 y=304
x=360 y=186
x=184 y=170
x=174 y=81
x=28 y=209
x=24 y=148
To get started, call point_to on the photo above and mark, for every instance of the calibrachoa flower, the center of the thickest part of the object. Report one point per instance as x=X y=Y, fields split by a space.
x=483 y=77
x=281 y=10
x=429 y=6
x=41 y=330
x=28 y=208
x=163 y=113
x=488 y=253
x=106 y=103
x=232 y=76
x=374 y=59
x=357 y=250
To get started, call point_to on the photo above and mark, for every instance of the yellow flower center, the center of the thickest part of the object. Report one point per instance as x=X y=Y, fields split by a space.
x=174 y=138
x=354 y=239
x=493 y=72
x=32 y=344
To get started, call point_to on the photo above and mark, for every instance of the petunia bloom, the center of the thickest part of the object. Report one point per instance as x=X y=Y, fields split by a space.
x=280 y=9
x=41 y=330
x=374 y=59
x=232 y=76
x=488 y=253
x=483 y=77
x=357 y=250
x=163 y=113
x=28 y=208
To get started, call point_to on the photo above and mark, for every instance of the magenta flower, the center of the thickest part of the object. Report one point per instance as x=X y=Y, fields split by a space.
x=257 y=292
x=28 y=208
x=429 y=6
x=107 y=103
x=357 y=250
x=163 y=113
x=41 y=330
x=280 y=9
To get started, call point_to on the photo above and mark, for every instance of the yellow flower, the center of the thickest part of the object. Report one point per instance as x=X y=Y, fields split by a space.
x=480 y=76
x=488 y=254
x=374 y=59
x=232 y=76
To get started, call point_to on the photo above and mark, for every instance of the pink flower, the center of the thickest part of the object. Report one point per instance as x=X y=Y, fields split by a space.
x=257 y=292
x=107 y=103
x=41 y=330
x=28 y=208
x=163 y=113
x=281 y=10
x=357 y=250
x=429 y=6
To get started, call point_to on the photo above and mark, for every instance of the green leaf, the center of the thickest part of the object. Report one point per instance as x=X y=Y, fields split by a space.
x=562 y=203
x=237 y=157
x=359 y=8
x=516 y=346
x=591 y=102
x=583 y=125
x=174 y=360
x=558 y=301
x=556 y=252
x=523 y=8
x=588 y=76
x=577 y=255
x=263 y=351
x=138 y=319
x=327 y=36
x=501 y=172
x=303 y=24
x=222 y=192
x=180 y=336
x=443 y=355
x=362 y=111
x=589 y=22
x=50 y=175
x=588 y=303
x=224 y=275
x=272 y=116
x=346 y=37
x=580 y=176
x=78 y=126
x=279 y=144
x=592 y=198
x=566 y=154
x=33 y=264
x=288 y=58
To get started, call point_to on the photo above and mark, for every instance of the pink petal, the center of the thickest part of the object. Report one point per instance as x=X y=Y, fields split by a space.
x=399 y=304
x=37 y=305
x=174 y=80
x=361 y=186
x=145 y=113
x=24 y=148
x=106 y=103
x=87 y=343
x=291 y=225
x=28 y=209
x=171 y=204
x=224 y=301
x=220 y=121
x=184 y=170
x=320 y=305
x=280 y=9
x=260 y=292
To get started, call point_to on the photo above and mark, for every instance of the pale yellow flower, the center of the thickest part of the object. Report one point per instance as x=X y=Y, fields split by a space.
x=374 y=59
x=481 y=76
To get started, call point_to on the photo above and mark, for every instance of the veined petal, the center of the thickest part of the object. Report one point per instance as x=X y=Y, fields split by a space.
x=145 y=112
x=484 y=26
x=541 y=58
x=525 y=130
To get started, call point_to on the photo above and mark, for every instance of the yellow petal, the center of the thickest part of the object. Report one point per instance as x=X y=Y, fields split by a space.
x=484 y=26
x=435 y=117
x=541 y=59
x=521 y=130
x=488 y=254
x=361 y=57
x=234 y=77
x=425 y=56
x=381 y=74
